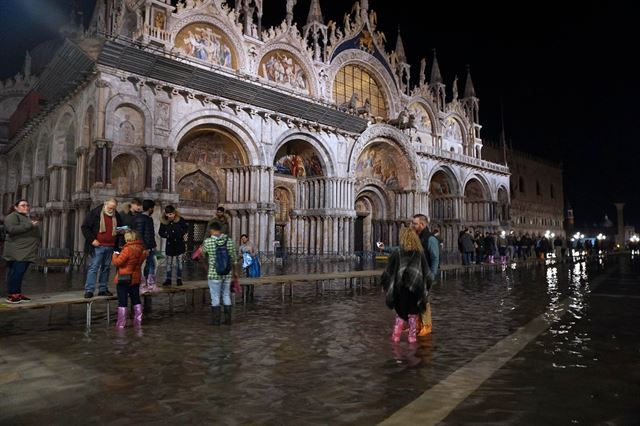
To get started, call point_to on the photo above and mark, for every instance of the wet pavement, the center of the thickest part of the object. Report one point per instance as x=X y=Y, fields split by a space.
x=327 y=359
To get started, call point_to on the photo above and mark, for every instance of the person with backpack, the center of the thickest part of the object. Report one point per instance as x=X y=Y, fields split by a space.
x=221 y=253
x=173 y=228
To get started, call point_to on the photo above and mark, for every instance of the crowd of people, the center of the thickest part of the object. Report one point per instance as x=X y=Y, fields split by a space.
x=492 y=247
x=127 y=240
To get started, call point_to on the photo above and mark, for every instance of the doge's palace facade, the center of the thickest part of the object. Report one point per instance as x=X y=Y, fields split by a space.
x=313 y=137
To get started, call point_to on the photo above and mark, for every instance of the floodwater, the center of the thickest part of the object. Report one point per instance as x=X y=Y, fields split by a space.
x=327 y=358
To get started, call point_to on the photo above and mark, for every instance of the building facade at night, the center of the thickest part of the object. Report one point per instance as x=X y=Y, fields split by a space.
x=537 y=195
x=314 y=137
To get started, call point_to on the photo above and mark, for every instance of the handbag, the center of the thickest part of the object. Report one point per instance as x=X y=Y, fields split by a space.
x=125 y=279
x=235 y=286
x=196 y=253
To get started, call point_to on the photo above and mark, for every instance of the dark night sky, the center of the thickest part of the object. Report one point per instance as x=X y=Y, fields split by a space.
x=566 y=84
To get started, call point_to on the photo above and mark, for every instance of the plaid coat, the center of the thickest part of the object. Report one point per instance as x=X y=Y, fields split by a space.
x=405 y=282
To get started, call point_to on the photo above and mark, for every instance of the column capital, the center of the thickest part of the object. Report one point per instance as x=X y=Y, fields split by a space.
x=167 y=152
x=82 y=150
x=101 y=143
x=150 y=150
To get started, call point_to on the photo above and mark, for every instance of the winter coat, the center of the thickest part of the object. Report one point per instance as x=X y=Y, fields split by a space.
x=143 y=224
x=130 y=261
x=22 y=238
x=406 y=281
x=466 y=241
x=91 y=226
x=174 y=232
x=431 y=247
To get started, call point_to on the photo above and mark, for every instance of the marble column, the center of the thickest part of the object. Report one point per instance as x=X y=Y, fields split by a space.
x=108 y=163
x=148 y=168
x=98 y=159
x=166 y=155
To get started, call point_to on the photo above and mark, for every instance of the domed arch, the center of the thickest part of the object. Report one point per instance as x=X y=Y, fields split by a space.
x=282 y=64
x=425 y=118
x=88 y=133
x=324 y=157
x=114 y=120
x=223 y=120
x=454 y=132
x=383 y=133
x=201 y=36
x=373 y=67
x=443 y=181
x=41 y=161
x=198 y=189
x=504 y=204
x=372 y=208
x=127 y=174
x=65 y=138
x=476 y=200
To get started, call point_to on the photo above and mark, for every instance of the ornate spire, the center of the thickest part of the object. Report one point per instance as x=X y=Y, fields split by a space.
x=436 y=77
x=469 y=91
x=400 y=49
x=315 y=14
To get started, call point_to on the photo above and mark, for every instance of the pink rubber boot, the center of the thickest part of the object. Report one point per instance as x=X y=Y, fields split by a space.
x=122 y=317
x=397 y=329
x=412 y=328
x=137 y=315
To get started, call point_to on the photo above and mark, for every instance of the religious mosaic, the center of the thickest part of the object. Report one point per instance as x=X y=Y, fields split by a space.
x=207 y=43
x=210 y=148
x=452 y=130
x=439 y=185
x=383 y=162
x=282 y=68
x=422 y=119
x=299 y=159
x=197 y=188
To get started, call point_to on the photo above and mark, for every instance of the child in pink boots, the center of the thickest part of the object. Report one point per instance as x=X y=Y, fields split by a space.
x=128 y=264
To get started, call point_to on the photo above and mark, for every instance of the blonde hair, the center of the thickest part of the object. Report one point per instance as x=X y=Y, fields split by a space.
x=409 y=240
x=130 y=236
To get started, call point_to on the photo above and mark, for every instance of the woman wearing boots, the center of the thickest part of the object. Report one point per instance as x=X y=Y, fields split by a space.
x=129 y=266
x=405 y=283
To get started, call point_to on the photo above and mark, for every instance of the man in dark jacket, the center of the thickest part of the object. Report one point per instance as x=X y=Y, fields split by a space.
x=129 y=211
x=101 y=239
x=222 y=219
x=431 y=246
x=467 y=246
x=173 y=228
x=144 y=226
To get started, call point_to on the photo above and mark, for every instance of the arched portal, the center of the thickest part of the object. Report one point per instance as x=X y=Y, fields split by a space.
x=299 y=158
x=198 y=189
x=126 y=175
x=476 y=205
x=385 y=164
x=444 y=206
x=202 y=154
x=370 y=226
x=504 y=209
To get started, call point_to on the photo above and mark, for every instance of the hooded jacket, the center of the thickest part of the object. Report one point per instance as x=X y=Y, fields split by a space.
x=130 y=261
x=174 y=231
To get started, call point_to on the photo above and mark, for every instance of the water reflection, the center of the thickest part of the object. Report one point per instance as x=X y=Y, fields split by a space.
x=315 y=359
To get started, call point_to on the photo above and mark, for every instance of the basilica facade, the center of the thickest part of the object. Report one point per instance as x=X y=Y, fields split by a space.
x=314 y=138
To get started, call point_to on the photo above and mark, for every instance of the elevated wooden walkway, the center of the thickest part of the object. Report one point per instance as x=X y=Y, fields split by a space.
x=286 y=282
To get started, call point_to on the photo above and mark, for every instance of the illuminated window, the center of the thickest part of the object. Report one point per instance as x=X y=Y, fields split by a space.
x=354 y=79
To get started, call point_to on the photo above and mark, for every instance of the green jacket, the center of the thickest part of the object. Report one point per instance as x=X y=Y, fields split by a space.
x=23 y=238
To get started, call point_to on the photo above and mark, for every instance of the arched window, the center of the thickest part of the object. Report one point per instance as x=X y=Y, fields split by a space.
x=551 y=191
x=521 y=184
x=354 y=82
x=538 y=191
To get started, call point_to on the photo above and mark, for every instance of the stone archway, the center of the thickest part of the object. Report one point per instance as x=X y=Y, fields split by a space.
x=126 y=175
x=504 y=208
x=445 y=206
x=198 y=189
x=370 y=224
x=476 y=204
